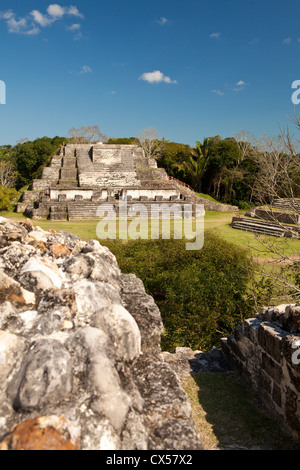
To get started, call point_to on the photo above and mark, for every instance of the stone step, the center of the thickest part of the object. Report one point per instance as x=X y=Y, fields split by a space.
x=68 y=173
x=263 y=231
x=265 y=228
x=287 y=205
x=69 y=162
x=58 y=216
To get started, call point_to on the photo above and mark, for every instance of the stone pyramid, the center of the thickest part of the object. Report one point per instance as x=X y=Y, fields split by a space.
x=83 y=176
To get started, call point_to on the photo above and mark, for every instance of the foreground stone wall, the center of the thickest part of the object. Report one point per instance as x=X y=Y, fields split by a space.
x=80 y=359
x=266 y=351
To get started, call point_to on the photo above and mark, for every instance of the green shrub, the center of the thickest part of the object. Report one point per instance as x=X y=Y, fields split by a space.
x=202 y=295
x=8 y=198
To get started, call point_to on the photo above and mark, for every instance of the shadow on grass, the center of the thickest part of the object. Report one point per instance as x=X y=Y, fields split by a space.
x=236 y=419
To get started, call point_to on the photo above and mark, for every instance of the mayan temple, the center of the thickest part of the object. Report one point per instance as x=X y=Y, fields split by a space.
x=83 y=176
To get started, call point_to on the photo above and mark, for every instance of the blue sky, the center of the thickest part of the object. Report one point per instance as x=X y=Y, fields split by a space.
x=188 y=68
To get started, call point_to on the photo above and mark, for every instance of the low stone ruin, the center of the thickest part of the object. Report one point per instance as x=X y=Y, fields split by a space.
x=80 y=360
x=271 y=221
x=266 y=350
x=82 y=177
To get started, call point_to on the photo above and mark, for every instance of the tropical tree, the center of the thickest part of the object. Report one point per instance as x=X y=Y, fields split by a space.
x=174 y=159
x=29 y=156
x=198 y=161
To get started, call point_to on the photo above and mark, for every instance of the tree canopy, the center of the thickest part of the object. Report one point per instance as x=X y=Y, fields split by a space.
x=27 y=157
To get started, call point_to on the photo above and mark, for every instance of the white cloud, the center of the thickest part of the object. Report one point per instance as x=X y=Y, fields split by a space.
x=32 y=22
x=15 y=26
x=56 y=10
x=74 y=27
x=215 y=35
x=287 y=41
x=73 y=11
x=162 y=21
x=7 y=14
x=156 y=77
x=34 y=30
x=239 y=86
x=230 y=88
x=218 y=92
x=41 y=19
x=18 y=26
x=85 y=69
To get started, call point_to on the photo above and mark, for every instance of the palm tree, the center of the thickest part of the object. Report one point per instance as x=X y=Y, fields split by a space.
x=198 y=162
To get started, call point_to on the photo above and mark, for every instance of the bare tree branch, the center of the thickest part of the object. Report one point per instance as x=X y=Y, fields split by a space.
x=151 y=142
x=8 y=175
x=85 y=135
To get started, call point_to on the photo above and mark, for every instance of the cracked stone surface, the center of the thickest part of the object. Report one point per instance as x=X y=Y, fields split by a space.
x=81 y=365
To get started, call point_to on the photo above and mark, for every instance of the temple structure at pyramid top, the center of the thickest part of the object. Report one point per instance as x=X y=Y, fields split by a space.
x=82 y=176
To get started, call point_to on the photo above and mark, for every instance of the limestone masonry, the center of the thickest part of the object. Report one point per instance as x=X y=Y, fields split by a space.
x=280 y=220
x=266 y=349
x=81 y=177
x=80 y=360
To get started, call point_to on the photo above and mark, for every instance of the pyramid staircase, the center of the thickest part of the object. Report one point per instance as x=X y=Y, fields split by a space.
x=80 y=178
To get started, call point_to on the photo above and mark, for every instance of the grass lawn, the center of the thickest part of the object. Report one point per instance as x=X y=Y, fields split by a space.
x=218 y=222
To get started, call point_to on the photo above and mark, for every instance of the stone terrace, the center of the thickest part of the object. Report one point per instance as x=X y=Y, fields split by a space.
x=279 y=220
x=81 y=177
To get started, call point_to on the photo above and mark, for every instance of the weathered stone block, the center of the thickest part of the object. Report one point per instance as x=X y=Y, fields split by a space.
x=40 y=185
x=232 y=344
x=238 y=333
x=290 y=320
x=276 y=395
x=270 y=339
x=32 y=387
x=68 y=173
x=58 y=216
x=292 y=420
x=249 y=349
x=283 y=217
x=69 y=162
x=250 y=328
x=294 y=377
x=272 y=368
x=30 y=196
x=58 y=208
x=51 y=173
x=264 y=382
x=21 y=207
